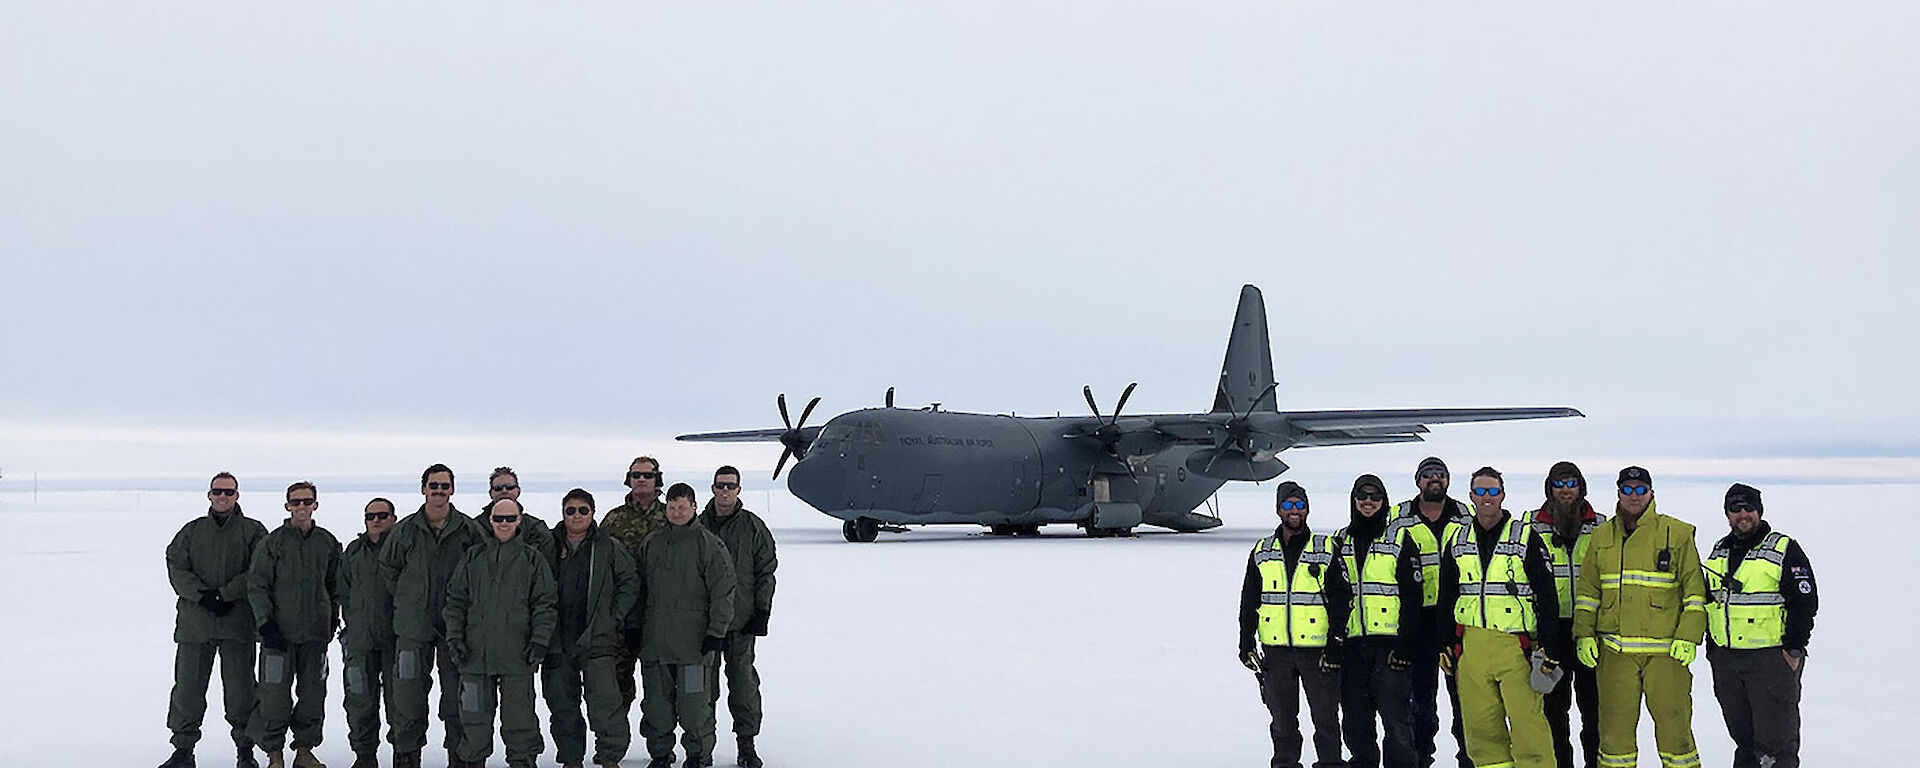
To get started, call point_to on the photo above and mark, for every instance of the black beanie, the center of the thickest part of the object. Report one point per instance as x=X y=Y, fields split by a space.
x=1290 y=490
x=1744 y=494
x=1430 y=462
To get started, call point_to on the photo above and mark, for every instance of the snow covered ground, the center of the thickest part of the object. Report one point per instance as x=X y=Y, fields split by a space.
x=940 y=647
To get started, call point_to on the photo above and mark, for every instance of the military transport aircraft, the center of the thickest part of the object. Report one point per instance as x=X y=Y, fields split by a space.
x=885 y=468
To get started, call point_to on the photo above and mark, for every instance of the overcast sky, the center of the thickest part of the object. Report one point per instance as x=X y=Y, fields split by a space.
x=233 y=230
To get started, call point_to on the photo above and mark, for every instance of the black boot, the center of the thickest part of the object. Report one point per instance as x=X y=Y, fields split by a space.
x=661 y=762
x=748 y=758
x=182 y=758
x=243 y=757
x=406 y=760
x=366 y=761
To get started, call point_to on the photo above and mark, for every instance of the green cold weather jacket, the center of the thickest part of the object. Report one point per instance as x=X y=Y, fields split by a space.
x=613 y=585
x=754 y=561
x=291 y=583
x=417 y=562
x=211 y=553
x=686 y=593
x=500 y=602
x=366 y=600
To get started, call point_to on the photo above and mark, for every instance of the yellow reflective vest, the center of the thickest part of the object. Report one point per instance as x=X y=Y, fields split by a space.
x=1639 y=593
x=1293 y=606
x=1376 y=588
x=1498 y=597
x=1408 y=522
x=1565 y=560
x=1748 y=611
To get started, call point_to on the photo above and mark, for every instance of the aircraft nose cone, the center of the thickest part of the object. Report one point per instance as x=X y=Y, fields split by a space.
x=817 y=480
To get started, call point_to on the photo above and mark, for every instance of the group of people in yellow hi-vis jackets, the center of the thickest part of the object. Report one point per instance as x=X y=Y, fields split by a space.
x=1526 y=616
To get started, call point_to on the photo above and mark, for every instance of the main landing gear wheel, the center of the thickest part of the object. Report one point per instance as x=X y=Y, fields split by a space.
x=861 y=530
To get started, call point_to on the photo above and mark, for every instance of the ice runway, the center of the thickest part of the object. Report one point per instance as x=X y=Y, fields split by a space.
x=939 y=647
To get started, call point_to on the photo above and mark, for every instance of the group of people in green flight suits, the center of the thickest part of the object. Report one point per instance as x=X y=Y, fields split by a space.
x=1525 y=615
x=659 y=589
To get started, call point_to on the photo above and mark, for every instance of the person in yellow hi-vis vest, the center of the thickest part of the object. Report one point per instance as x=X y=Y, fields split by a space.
x=1293 y=601
x=1639 y=613
x=1496 y=583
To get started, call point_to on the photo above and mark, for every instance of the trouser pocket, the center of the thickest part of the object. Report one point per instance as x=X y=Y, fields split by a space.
x=273 y=667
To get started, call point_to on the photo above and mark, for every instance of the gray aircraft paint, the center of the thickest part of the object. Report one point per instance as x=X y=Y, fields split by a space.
x=925 y=466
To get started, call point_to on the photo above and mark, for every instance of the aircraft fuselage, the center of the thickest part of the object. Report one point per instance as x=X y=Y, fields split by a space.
x=925 y=466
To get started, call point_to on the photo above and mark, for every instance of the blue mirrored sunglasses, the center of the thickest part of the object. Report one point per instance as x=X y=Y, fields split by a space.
x=1566 y=483
x=1635 y=490
x=1293 y=505
x=1487 y=491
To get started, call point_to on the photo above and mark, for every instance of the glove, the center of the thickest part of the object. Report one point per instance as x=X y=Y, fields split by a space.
x=271 y=638
x=756 y=625
x=1330 y=658
x=210 y=600
x=1446 y=661
x=459 y=650
x=1250 y=659
x=713 y=644
x=1588 y=649
x=536 y=653
x=632 y=639
x=1683 y=651
x=1396 y=662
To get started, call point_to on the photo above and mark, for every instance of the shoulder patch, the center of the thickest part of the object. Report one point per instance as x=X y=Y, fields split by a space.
x=1806 y=588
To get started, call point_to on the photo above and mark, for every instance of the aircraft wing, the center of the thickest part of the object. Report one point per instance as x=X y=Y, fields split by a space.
x=1343 y=427
x=1397 y=425
x=747 y=436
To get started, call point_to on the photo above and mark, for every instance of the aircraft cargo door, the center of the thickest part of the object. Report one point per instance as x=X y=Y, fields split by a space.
x=929 y=496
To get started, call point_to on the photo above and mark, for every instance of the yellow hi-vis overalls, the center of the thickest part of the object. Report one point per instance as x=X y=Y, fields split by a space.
x=1501 y=714
x=1637 y=595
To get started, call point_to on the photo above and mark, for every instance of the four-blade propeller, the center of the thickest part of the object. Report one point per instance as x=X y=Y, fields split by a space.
x=793 y=439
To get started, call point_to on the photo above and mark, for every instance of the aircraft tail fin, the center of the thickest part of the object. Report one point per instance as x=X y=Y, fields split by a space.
x=1246 y=377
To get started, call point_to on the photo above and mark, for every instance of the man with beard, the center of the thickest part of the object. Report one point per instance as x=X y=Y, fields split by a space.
x=207 y=564
x=1565 y=524
x=630 y=524
x=1496 y=585
x=291 y=586
x=505 y=484
x=1382 y=633
x=1639 y=612
x=1425 y=521
x=1759 y=618
x=417 y=563
x=366 y=644
x=1291 y=601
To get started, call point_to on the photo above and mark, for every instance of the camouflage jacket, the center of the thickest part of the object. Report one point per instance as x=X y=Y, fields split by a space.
x=631 y=523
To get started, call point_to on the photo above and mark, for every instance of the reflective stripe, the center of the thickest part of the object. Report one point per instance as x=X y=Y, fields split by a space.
x=1389 y=590
x=1586 y=604
x=1269 y=598
x=1744 y=598
x=1623 y=644
x=1685 y=760
x=1619 y=761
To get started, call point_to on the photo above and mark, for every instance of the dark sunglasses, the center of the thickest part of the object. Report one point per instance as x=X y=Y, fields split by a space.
x=1568 y=483
x=1738 y=506
x=643 y=475
x=1293 y=505
x=223 y=492
x=379 y=515
x=439 y=486
x=1635 y=490
x=1488 y=491
x=1433 y=473
x=726 y=486
x=501 y=488
x=506 y=518
x=1365 y=496
x=578 y=510
x=302 y=502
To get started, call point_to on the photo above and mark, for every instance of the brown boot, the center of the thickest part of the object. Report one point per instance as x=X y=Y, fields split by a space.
x=303 y=758
x=276 y=759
